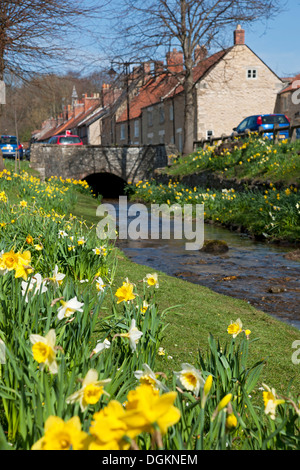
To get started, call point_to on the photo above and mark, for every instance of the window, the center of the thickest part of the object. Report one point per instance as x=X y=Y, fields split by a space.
x=150 y=138
x=150 y=117
x=171 y=113
x=180 y=140
x=209 y=134
x=161 y=114
x=136 y=128
x=122 y=132
x=161 y=137
x=251 y=74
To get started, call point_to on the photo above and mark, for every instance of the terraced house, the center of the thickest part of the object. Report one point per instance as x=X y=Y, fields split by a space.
x=228 y=86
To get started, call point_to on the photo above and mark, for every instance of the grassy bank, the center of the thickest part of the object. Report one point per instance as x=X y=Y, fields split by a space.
x=254 y=158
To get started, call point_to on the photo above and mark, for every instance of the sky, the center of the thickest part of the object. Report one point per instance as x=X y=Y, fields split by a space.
x=278 y=45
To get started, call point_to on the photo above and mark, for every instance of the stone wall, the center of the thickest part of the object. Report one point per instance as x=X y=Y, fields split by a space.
x=226 y=96
x=132 y=164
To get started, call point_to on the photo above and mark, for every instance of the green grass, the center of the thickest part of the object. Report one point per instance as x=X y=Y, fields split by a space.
x=256 y=159
x=200 y=312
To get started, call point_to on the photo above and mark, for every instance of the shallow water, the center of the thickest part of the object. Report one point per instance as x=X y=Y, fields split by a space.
x=253 y=271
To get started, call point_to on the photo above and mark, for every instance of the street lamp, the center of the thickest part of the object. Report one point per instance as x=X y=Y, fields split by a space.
x=112 y=73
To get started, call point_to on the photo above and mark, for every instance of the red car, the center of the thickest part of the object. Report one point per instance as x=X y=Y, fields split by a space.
x=66 y=139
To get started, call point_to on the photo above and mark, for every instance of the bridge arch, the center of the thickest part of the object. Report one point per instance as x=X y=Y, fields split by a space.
x=109 y=185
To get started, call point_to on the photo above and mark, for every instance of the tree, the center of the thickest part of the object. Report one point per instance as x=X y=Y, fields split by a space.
x=151 y=26
x=36 y=34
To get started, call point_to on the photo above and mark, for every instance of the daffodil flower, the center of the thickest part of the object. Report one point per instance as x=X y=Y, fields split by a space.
x=90 y=392
x=35 y=285
x=44 y=351
x=271 y=401
x=133 y=335
x=57 y=278
x=101 y=346
x=148 y=377
x=100 y=284
x=69 y=308
x=190 y=378
x=61 y=435
x=235 y=328
x=125 y=293
x=151 y=280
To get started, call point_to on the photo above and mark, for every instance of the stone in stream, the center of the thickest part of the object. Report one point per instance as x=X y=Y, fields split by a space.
x=214 y=247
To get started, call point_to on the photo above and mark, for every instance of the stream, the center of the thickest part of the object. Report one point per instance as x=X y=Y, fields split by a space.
x=256 y=272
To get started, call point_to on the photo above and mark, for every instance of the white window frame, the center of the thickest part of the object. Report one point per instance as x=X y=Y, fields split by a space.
x=209 y=133
x=251 y=73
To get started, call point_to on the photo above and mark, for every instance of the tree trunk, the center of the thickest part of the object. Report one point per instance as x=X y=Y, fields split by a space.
x=189 y=107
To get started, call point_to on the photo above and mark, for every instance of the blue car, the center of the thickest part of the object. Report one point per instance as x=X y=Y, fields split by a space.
x=9 y=144
x=266 y=121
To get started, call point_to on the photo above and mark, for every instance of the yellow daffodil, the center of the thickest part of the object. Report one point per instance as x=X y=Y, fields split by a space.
x=125 y=293
x=44 y=351
x=235 y=328
x=90 y=392
x=147 y=410
x=60 y=435
x=231 y=421
x=29 y=240
x=108 y=429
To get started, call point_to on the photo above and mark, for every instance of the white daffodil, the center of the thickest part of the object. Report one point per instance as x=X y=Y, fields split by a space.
x=190 y=378
x=90 y=392
x=101 y=346
x=69 y=308
x=35 y=285
x=99 y=251
x=100 y=285
x=3 y=269
x=271 y=401
x=57 y=278
x=44 y=352
x=133 y=335
x=151 y=280
x=62 y=234
x=147 y=376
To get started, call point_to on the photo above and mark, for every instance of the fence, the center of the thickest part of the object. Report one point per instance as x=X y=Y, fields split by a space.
x=228 y=138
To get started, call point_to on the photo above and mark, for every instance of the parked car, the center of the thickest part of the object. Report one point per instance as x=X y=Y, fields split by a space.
x=266 y=121
x=9 y=144
x=66 y=139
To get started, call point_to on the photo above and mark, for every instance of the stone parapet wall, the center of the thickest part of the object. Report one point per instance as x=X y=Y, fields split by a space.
x=131 y=163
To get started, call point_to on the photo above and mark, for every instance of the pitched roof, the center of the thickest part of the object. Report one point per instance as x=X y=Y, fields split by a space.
x=292 y=86
x=70 y=123
x=165 y=86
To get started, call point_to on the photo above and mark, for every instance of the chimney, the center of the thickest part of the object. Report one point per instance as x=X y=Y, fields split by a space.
x=175 y=61
x=239 y=36
x=200 y=53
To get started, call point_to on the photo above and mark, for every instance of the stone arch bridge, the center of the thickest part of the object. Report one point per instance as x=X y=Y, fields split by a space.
x=130 y=163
